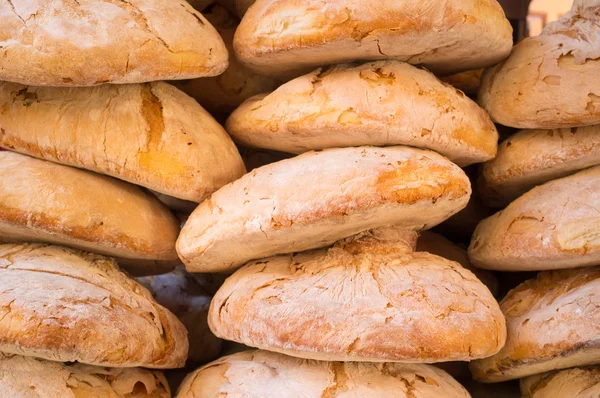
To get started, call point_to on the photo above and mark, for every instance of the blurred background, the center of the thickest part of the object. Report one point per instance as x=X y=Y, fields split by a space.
x=528 y=17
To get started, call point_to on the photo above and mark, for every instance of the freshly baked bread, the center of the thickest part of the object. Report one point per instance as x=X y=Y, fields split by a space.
x=259 y=374
x=151 y=135
x=462 y=225
x=65 y=305
x=220 y=95
x=378 y=103
x=289 y=38
x=555 y=225
x=42 y=201
x=440 y=246
x=550 y=81
x=572 y=383
x=181 y=294
x=91 y=42
x=366 y=298
x=468 y=81
x=552 y=323
x=27 y=377
x=316 y=198
x=532 y=157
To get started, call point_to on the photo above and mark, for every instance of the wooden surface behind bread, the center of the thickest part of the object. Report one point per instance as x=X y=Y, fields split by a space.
x=151 y=135
x=91 y=42
x=65 y=305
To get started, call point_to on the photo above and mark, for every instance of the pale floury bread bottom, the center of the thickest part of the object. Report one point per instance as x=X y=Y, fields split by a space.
x=260 y=374
x=27 y=377
x=574 y=382
x=70 y=306
x=366 y=298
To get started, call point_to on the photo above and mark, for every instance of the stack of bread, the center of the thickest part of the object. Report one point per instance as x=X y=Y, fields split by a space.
x=348 y=150
x=548 y=177
x=329 y=279
x=90 y=129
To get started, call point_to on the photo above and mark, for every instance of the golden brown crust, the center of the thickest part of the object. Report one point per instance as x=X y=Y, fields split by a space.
x=574 y=383
x=552 y=323
x=553 y=226
x=151 y=135
x=47 y=202
x=184 y=296
x=220 y=95
x=440 y=246
x=367 y=298
x=378 y=103
x=74 y=43
x=290 y=205
x=532 y=157
x=291 y=37
x=65 y=305
x=549 y=81
x=258 y=374
x=28 y=377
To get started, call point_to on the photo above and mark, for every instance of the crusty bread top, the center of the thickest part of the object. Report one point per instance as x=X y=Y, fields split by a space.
x=550 y=81
x=47 y=202
x=220 y=95
x=552 y=323
x=65 y=305
x=151 y=135
x=532 y=157
x=290 y=37
x=378 y=103
x=185 y=297
x=27 y=377
x=316 y=198
x=91 y=42
x=553 y=226
x=259 y=374
x=437 y=244
x=367 y=298
x=572 y=383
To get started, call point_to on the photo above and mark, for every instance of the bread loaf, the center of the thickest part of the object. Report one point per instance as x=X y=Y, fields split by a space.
x=549 y=81
x=552 y=323
x=91 y=42
x=468 y=81
x=317 y=198
x=27 y=377
x=181 y=294
x=70 y=306
x=367 y=298
x=259 y=374
x=378 y=103
x=532 y=157
x=575 y=382
x=555 y=225
x=437 y=244
x=151 y=135
x=220 y=95
x=42 y=201
x=289 y=38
